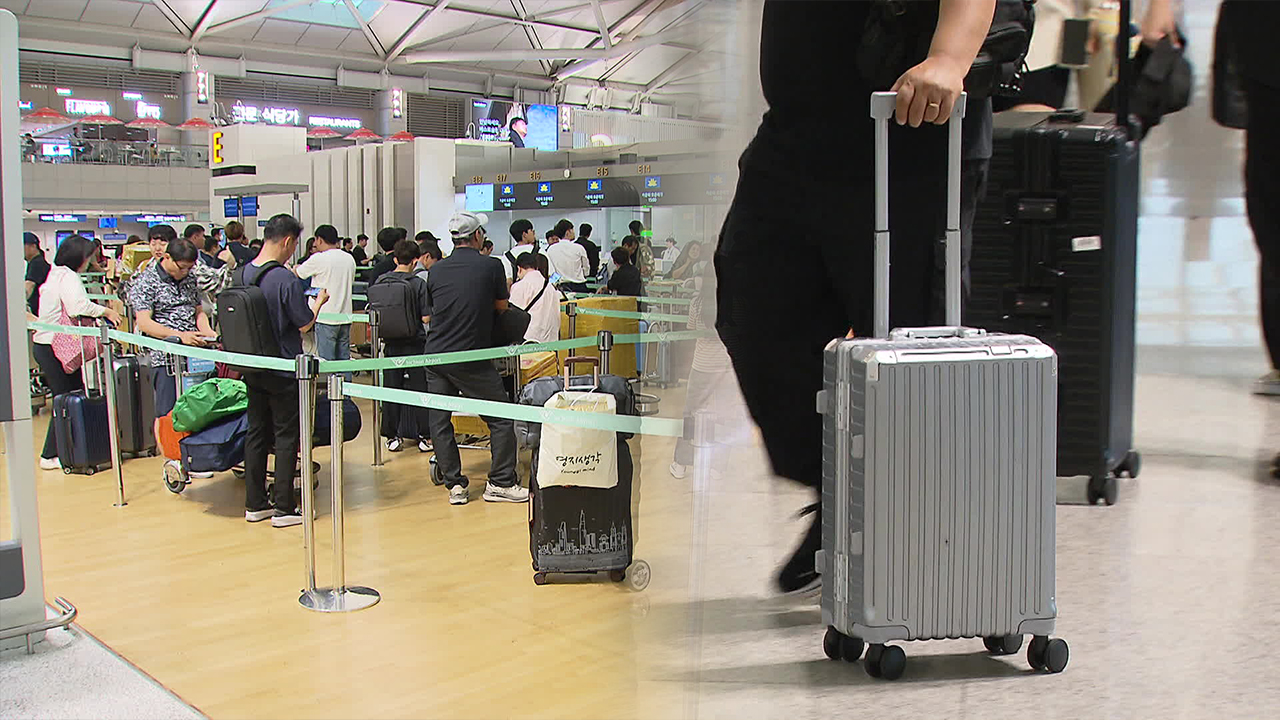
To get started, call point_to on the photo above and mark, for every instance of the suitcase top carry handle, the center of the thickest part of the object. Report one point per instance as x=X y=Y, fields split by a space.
x=931 y=333
x=883 y=105
x=569 y=362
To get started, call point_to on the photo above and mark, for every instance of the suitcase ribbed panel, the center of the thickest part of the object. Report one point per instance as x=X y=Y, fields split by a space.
x=1094 y=176
x=954 y=496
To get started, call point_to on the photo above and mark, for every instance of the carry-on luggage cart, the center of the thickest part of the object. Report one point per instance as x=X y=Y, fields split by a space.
x=577 y=529
x=938 y=491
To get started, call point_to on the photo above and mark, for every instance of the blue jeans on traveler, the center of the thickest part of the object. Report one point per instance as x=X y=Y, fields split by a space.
x=333 y=342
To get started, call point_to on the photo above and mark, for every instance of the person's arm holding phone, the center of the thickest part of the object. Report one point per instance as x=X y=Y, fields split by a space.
x=928 y=92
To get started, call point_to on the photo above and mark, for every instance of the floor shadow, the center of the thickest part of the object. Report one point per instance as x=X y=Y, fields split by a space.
x=824 y=673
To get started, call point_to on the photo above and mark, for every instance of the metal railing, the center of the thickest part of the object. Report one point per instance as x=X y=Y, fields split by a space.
x=116 y=152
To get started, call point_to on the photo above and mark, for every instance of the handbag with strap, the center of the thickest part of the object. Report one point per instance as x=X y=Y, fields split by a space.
x=74 y=351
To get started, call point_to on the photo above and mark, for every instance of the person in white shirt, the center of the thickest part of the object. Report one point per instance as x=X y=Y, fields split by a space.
x=63 y=292
x=672 y=252
x=535 y=294
x=526 y=241
x=567 y=258
x=333 y=271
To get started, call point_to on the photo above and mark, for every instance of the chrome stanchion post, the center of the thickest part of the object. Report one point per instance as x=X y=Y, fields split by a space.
x=703 y=429
x=177 y=366
x=375 y=347
x=113 y=413
x=305 y=372
x=604 y=343
x=572 y=310
x=338 y=598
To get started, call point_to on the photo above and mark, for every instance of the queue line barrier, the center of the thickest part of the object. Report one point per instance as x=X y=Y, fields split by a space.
x=651 y=317
x=341 y=597
x=645 y=299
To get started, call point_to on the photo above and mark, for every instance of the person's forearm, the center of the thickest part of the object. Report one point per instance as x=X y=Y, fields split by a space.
x=203 y=324
x=962 y=26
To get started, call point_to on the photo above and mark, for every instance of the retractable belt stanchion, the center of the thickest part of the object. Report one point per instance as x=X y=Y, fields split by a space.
x=305 y=372
x=572 y=310
x=604 y=343
x=703 y=441
x=375 y=348
x=340 y=597
x=177 y=366
x=113 y=414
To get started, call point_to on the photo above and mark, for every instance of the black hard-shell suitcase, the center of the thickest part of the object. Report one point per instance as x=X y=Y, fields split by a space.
x=80 y=431
x=1054 y=256
x=577 y=529
x=135 y=405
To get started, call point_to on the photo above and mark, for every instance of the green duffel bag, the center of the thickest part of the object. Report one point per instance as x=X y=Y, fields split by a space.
x=209 y=402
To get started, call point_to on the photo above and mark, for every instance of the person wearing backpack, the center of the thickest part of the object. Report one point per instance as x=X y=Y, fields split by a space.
x=400 y=297
x=525 y=240
x=265 y=312
x=535 y=294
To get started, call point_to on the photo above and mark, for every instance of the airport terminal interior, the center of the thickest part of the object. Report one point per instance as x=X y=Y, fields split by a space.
x=182 y=609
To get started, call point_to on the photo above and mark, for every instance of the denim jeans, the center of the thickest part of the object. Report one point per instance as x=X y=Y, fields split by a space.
x=333 y=342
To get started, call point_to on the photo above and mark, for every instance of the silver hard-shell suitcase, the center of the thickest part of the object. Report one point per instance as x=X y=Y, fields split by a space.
x=938 y=492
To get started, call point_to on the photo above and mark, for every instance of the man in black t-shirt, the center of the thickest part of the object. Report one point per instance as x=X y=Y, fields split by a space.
x=797 y=182
x=593 y=250
x=236 y=243
x=625 y=279
x=385 y=261
x=465 y=290
x=358 y=251
x=37 y=270
x=406 y=421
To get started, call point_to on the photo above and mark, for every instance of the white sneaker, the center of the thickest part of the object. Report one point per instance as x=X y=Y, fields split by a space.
x=513 y=494
x=458 y=495
x=395 y=445
x=254 y=516
x=286 y=519
x=50 y=464
x=200 y=475
x=1268 y=384
x=424 y=445
x=678 y=471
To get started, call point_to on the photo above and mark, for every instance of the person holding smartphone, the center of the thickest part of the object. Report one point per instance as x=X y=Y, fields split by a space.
x=166 y=300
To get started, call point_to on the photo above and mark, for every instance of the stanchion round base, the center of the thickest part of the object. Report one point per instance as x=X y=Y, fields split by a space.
x=328 y=600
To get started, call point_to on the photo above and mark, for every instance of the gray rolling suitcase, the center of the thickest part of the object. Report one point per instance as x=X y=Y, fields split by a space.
x=938 y=488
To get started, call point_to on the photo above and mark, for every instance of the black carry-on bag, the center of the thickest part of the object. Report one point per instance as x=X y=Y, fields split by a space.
x=576 y=528
x=1055 y=257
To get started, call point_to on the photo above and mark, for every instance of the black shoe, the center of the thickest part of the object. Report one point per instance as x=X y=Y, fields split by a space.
x=800 y=575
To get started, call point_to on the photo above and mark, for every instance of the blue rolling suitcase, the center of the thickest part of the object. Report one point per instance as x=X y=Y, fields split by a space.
x=80 y=429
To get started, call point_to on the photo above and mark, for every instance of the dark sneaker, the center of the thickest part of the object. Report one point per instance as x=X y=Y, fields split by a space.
x=799 y=576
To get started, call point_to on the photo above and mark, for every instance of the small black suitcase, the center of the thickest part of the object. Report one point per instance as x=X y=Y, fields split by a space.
x=1054 y=257
x=581 y=529
x=135 y=405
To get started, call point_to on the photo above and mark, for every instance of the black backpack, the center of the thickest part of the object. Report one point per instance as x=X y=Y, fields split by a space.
x=245 y=318
x=397 y=305
x=899 y=33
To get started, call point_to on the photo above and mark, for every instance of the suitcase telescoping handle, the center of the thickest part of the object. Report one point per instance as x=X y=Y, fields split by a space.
x=572 y=360
x=883 y=105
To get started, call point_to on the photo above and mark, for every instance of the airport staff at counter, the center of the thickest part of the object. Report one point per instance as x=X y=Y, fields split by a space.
x=37 y=270
x=465 y=291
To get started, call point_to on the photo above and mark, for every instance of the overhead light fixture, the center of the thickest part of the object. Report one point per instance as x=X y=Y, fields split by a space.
x=202 y=87
x=131 y=96
x=397 y=102
x=63 y=91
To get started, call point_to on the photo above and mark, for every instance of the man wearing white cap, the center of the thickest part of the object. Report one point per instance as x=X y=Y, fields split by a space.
x=465 y=290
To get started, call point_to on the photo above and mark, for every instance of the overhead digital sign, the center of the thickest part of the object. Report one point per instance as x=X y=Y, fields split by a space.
x=63 y=218
x=238 y=207
x=480 y=198
x=76 y=106
x=658 y=190
x=152 y=219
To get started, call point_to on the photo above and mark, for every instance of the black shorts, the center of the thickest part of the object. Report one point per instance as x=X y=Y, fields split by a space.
x=794 y=271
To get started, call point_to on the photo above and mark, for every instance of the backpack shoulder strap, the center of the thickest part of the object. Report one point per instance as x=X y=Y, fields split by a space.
x=257 y=282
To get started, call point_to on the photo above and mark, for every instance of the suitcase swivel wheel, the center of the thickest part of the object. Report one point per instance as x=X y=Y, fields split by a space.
x=617 y=575
x=1131 y=465
x=1106 y=489
x=174 y=479
x=437 y=475
x=539 y=578
x=886 y=662
x=1048 y=655
x=639 y=575
x=839 y=646
x=1003 y=645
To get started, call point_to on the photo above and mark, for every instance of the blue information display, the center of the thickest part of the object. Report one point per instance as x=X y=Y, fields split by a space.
x=480 y=198
x=651 y=190
x=63 y=218
x=231 y=207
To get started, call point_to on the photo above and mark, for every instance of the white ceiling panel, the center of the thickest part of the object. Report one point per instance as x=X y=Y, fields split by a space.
x=356 y=43
x=17 y=7
x=150 y=18
x=61 y=9
x=191 y=10
x=225 y=10
x=319 y=37
x=111 y=12
x=647 y=65
x=243 y=31
x=280 y=32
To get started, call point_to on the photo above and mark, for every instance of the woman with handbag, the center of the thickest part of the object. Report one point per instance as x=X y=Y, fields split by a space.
x=63 y=301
